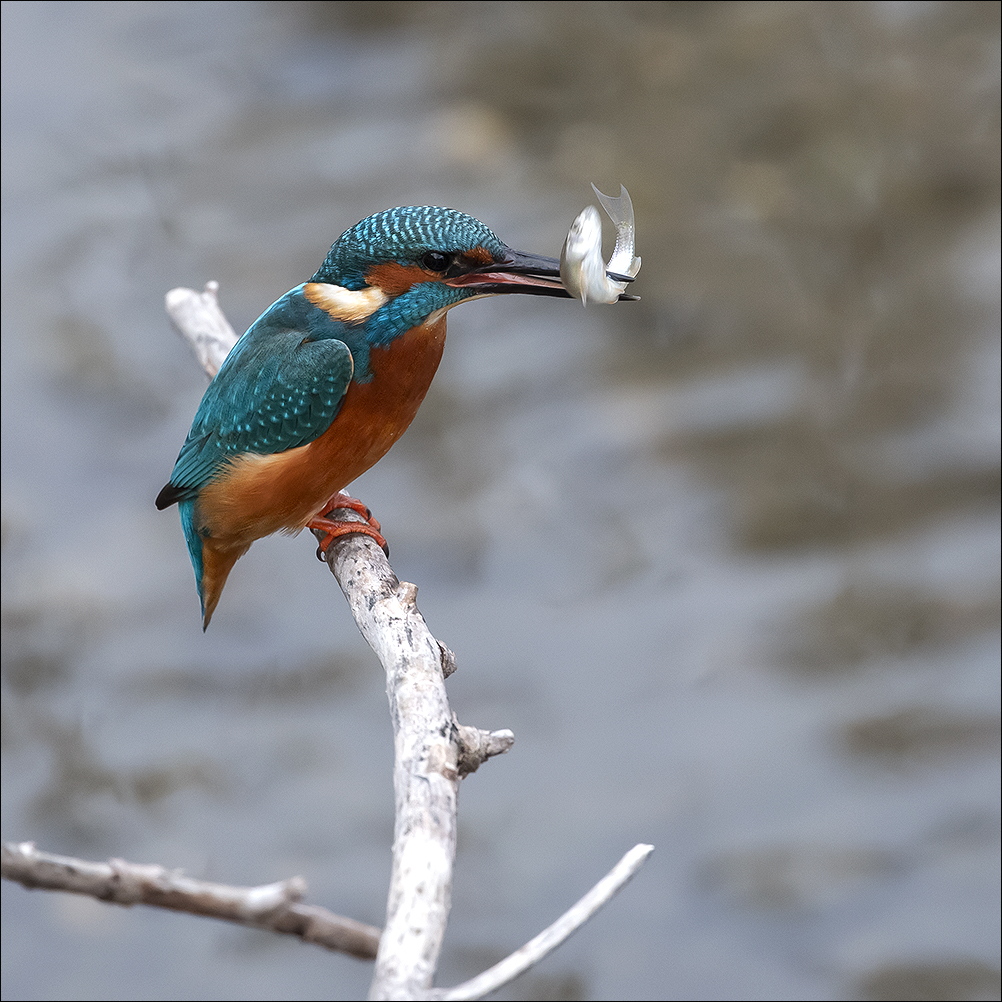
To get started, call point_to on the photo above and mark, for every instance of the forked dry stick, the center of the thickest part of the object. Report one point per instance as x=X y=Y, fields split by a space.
x=433 y=753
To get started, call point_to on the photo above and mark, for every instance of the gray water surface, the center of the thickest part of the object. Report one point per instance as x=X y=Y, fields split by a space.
x=726 y=560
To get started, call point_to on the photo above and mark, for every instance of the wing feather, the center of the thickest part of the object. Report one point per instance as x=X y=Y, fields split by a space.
x=277 y=390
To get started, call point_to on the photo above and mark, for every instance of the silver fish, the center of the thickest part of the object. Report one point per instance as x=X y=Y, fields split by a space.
x=582 y=271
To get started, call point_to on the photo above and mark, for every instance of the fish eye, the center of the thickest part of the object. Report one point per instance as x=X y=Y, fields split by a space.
x=436 y=261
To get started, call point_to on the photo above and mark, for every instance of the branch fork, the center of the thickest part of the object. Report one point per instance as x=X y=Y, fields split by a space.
x=433 y=752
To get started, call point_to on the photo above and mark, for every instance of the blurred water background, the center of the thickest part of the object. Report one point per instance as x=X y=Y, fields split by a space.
x=726 y=560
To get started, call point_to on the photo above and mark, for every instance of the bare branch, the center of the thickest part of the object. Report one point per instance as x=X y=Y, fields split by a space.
x=426 y=771
x=432 y=751
x=273 y=907
x=199 y=320
x=549 y=939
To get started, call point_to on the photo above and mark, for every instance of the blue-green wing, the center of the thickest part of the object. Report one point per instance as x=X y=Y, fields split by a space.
x=276 y=390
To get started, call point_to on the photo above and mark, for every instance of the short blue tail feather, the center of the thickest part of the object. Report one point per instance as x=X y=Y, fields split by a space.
x=187 y=512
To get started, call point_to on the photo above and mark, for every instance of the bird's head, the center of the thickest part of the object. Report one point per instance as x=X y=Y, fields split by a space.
x=434 y=257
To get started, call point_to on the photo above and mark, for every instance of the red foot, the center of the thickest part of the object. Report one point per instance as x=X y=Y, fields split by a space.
x=334 y=527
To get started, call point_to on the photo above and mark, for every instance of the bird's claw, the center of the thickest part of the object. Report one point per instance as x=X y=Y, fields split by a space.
x=335 y=527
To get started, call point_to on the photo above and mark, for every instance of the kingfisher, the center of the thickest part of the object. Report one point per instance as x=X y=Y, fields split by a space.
x=328 y=378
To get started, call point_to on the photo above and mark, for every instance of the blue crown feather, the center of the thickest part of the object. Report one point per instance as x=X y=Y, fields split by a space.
x=402 y=234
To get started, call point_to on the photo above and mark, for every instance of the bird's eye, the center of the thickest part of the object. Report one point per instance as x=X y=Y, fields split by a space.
x=436 y=261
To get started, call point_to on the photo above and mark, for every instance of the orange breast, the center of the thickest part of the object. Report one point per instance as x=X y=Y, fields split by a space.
x=258 y=495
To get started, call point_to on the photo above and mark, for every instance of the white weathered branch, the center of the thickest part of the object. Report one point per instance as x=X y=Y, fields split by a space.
x=199 y=320
x=273 y=907
x=433 y=751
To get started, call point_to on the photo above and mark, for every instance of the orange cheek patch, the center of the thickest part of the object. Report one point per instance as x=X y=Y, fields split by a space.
x=393 y=278
x=478 y=256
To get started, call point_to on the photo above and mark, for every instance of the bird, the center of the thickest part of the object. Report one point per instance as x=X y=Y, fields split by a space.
x=324 y=382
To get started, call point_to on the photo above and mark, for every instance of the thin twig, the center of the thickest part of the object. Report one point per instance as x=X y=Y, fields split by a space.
x=272 y=907
x=550 y=938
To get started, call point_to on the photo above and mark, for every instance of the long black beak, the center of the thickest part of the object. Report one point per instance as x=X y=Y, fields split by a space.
x=531 y=274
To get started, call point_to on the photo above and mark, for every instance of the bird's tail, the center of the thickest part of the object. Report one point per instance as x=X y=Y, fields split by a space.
x=216 y=566
x=210 y=561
